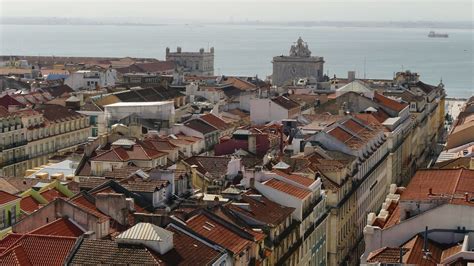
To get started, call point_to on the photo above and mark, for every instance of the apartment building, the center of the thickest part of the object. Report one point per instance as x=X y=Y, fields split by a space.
x=354 y=168
x=29 y=137
x=13 y=156
x=303 y=193
x=51 y=130
x=429 y=220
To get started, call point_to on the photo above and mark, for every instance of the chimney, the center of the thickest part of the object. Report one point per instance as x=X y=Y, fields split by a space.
x=114 y=205
x=130 y=204
x=430 y=191
x=252 y=182
x=351 y=76
x=466 y=196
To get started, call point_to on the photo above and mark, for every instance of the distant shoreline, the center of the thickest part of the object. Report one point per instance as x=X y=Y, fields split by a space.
x=356 y=24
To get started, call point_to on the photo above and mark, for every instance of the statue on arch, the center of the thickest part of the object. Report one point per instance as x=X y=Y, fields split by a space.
x=300 y=49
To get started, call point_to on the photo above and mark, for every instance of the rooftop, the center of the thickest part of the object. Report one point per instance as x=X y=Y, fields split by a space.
x=287 y=188
x=6 y=197
x=218 y=233
x=38 y=250
x=451 y=184
x=145 y=231
x=95 y=251
x=200 y=126
x=286 y=102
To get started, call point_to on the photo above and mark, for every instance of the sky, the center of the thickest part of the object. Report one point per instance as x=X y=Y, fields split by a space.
x=243 y=10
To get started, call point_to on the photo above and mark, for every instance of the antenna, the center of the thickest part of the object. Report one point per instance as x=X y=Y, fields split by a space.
x=426 y=252
x=401 y=255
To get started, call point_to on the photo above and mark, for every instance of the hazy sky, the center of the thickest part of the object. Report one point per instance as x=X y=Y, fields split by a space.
x=241 y=10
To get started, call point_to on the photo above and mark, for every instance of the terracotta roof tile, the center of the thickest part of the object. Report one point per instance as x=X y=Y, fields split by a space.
x=81 y=201
x=59 y=227
x=340 y=134
x=447 y=183
x=200 y=126
x=286 y=103
x=6 y=197
x=54 y=112
x=39 y=250
x=218 y=233
x=52 y=193
x=305 y=181
x=389 y=103
x=287 y=188
x=188 y=250
x=95 y=251
x=8 y=240
x=215 y=121
x=29 y=204
x=215 y=166
x=262 y=209
x=144 y=186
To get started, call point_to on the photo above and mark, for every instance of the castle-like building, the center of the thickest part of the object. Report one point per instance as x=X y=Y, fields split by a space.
x=298 y=64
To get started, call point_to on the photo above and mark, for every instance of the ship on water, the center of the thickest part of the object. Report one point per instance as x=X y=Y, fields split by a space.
x=433 y=34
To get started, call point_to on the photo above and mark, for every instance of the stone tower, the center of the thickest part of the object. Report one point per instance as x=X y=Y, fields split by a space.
x=298 y=64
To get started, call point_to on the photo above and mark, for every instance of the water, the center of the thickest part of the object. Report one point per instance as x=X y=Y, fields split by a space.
x=248 y=50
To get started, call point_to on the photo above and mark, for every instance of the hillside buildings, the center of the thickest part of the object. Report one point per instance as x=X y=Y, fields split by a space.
x=172 y=165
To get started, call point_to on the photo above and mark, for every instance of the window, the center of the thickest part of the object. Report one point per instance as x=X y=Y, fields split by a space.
x=2 y=219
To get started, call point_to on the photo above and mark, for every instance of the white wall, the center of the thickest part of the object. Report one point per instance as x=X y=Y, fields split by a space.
x=282 y=199
x=448 y=216
x=265 y=110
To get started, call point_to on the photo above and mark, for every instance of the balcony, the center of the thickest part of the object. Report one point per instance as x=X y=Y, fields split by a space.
x=15 y=160
x=6 y=128
x=14 y=145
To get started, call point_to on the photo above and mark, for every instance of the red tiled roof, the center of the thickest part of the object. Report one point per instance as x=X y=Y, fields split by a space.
x=188 y=251
x=38 y=250
x=451 y=183
x=53 y=112
x=4 y=111
x=296 y=178
x=413 y=253
x=136 y=152
x=59 y=227
x=29 y=204
x=340 y=134
x=262 y=209
x=51 y=194
x=160 y=145
x=81 y=201
x=287 y=188
x=15 y=256
x=215 y=121
x=353 y=126
x=389 y=103
x=218 y=233
x=112 y=155
x=8 y=240
x=200 y=126
x=8 y=100
x=286 y=103
x=6 y=197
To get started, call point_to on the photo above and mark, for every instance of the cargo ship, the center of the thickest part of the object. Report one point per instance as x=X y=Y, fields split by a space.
x=433 y=34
